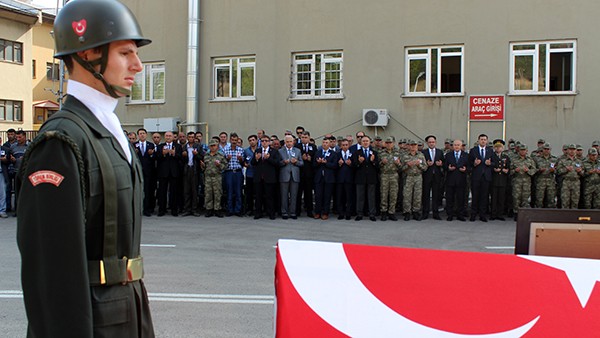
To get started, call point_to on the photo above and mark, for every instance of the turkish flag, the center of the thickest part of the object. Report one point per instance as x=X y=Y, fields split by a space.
x=339 y=290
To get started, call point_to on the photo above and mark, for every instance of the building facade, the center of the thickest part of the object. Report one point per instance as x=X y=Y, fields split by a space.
x=273 y=65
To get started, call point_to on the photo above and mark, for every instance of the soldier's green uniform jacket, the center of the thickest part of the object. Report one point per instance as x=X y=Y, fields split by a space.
x=61 y=246
x=546 y=163
x=525 y=162
x=561 y=168
x=210 y=166
x=591 y=179
x=390 y=167
x=415 y=169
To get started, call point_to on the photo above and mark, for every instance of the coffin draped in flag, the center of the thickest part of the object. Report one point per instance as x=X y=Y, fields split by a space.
x=344 y=290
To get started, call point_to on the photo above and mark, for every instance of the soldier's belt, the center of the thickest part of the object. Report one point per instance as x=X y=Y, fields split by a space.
x=413 y=174
x=117 y=271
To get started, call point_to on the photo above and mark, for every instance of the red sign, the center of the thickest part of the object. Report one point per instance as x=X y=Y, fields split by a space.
x=346 y=290
x=486 y=107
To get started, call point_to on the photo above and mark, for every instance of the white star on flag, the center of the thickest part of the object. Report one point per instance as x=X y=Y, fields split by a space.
x=582 y=273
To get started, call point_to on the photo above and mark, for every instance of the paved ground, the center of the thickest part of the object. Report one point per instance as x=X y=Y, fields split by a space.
x=211 y=277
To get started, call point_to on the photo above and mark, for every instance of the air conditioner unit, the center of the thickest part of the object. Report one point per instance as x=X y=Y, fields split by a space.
x=375 y=117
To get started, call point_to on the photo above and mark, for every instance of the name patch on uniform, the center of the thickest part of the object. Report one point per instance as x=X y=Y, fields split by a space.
x=46 y=176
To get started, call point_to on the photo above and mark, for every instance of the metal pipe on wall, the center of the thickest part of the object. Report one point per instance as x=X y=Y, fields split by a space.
x=192 y=111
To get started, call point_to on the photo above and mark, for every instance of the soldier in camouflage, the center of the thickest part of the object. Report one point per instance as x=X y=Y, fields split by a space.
x=545 y=181
x=214 y=164
x=570 y=170
x=591 y=180
x=522 y=168
x=389 y=163
x=413 y=165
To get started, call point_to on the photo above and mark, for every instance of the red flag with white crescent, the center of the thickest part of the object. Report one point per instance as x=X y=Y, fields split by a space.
x=344 y=290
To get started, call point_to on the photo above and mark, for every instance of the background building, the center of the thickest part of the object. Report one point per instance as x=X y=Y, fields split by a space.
x=277 y=64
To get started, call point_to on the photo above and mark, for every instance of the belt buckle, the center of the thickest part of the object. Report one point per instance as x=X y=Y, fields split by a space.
x=102 y=274
x=134 y=269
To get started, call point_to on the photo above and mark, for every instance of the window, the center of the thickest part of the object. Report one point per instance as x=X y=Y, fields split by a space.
x=234 y=78
x=317 y=75
x=434 y=71
x=52 y=71
x=542 y=67
x=149 y=84
x=33 y=72
x=11 y=110
x=11 y=51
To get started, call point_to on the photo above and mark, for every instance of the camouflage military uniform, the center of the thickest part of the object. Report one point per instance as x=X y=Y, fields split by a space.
x=591 y=182
x=389 y=180
x=413 y=186
x=545 y=181
x=213 y=187
x=521 y=180
x=569 y=193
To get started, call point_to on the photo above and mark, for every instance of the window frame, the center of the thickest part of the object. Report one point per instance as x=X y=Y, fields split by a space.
x=535 y=54
x=16 y=110
x=52 y=69
x=322 y=58
x=148 y=70
x=17 y=49
x=228 y=63
x=427 y=57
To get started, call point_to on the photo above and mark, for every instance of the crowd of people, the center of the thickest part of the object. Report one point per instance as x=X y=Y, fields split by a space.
x=372 y=177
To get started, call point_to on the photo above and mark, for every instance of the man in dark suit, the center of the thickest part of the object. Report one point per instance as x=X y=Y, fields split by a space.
x=345 y=182
x=145 y=152
x=366 y=163
x=358 y=144
x=481 y=163
x=167 y=170
x=455 y=166
x=325 y=164
x=191 y=156
x=432 y=178
x=306 y=186
x=266 y=164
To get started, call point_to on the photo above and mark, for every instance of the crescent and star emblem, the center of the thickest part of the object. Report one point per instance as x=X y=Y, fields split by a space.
x=79 y=27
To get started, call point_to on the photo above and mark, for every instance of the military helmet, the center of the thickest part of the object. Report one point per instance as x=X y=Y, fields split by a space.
x=86 y=24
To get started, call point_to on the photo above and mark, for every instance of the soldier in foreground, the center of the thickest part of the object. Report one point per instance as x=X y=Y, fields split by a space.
x=80 y=206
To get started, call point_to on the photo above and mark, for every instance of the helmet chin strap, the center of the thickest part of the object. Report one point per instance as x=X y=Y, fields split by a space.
x=112 y=90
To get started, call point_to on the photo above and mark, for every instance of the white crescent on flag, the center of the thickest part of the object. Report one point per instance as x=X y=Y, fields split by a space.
x=322 y=275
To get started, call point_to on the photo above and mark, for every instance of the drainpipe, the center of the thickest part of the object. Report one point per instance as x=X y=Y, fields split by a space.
x=192 y=111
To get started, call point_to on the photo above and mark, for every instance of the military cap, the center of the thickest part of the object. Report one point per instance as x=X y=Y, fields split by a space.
x=498 y=142
x=565 y=146
x=340 y=138
x=213 y=142
x=579 y=147
x=541 y=141
x=420 y=143
x=522 y=146
x=448 y=141
x=572 y=146
x=389 y=139
x=403 y=140
x=378 y=138
x=595 y=143
x=411 y=142
x=593 y=151
x=547 y=146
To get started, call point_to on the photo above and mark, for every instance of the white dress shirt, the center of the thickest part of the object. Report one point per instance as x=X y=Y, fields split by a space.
x=103 y=107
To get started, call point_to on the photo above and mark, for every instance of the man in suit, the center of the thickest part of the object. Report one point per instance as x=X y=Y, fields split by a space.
x=325 y=164
x=366 y=162
x=432 y=178
x=358 y=145
x=481 y=163
x=305 y=190
x=265 y=163
x=455 y=166
x=345 y=182
x=80 y=211
x=289 y=177
x=167 y=170
x=191 y=155
x=145 y=152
